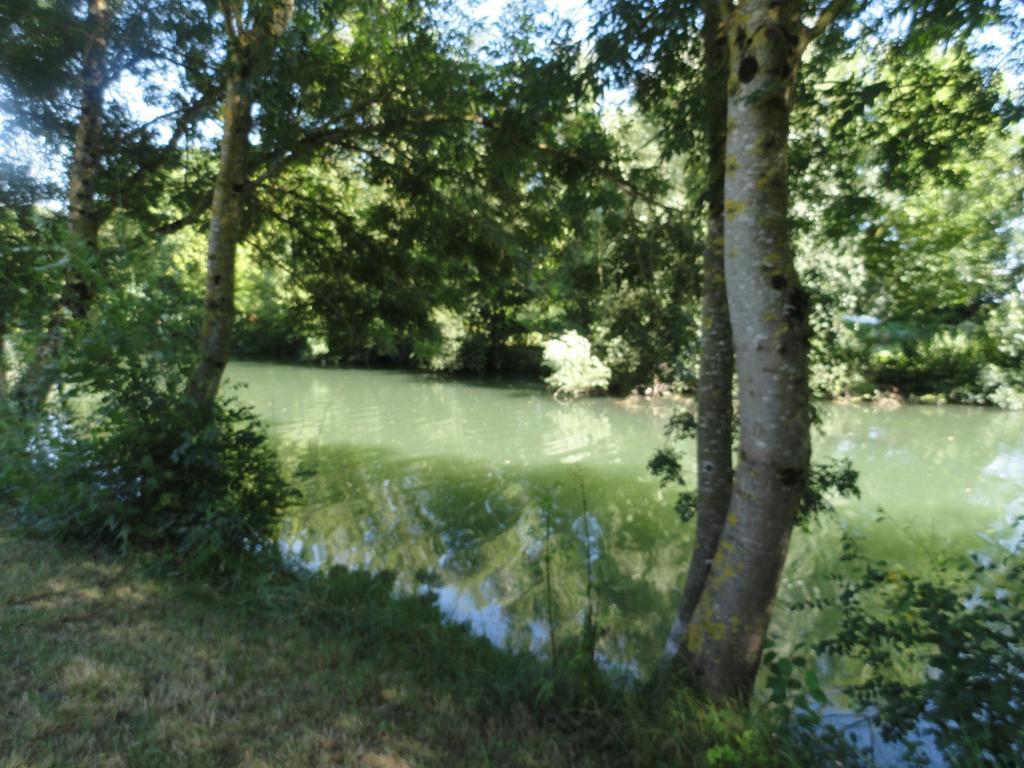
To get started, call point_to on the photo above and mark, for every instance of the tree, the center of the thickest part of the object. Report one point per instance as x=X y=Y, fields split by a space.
x=486 y=186
x=768 y=307
x=909 y=179
x=714 y=385
x=59 y=61
x=768 y=312
x=252 y=32
x=83 y=223
x=743 y=521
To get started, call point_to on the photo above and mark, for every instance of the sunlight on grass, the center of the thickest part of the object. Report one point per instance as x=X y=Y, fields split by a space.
x=107 y=667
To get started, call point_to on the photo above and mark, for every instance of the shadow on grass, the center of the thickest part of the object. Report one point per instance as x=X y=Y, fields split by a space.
x=107 y=661
x=107 y=664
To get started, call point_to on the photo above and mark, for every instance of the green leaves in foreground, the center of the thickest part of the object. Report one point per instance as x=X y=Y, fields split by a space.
x=942 y=654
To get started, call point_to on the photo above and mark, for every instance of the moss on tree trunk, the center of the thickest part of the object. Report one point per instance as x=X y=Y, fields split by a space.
x=768 y=314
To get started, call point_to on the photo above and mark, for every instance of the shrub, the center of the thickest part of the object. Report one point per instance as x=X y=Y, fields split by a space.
x=207 y=490
x=943 y=653
x=122 y=457
x=274 y=332
x=970 y=362
x=441 y=351
x=575 y=370
x=1003 y=379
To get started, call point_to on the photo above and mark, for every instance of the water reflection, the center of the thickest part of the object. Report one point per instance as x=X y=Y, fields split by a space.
x=455 y=487
x=481 y=533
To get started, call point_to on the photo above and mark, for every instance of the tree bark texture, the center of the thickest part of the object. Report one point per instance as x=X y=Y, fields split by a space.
x=40 y=373
x=768 y=314
x=248 y=50
x=714 y=384
x=222 y=241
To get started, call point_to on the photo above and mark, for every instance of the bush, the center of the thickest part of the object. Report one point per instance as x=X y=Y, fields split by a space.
x=970 y=362
x=122 y=457
x=575 y=370
x=208 y=487
x=273 y=332
x=208 y=490
x=442 y=351
x=1003 y=379
x=943 y=653
x=272 y=319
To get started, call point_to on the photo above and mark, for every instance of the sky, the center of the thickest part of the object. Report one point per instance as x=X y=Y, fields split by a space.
x=49 y=162
x=576 y=11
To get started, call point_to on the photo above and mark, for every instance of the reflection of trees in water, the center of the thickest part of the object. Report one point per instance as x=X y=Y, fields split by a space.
x=479 y=531
x=476 y=524
x=572 y=429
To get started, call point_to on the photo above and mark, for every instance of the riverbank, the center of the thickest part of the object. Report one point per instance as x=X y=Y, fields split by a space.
x=110 y=662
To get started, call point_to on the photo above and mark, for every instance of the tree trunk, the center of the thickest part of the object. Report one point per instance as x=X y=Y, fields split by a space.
x=714 y=385
x=35 y=383
x=248 y=50
x=83 y=220
x=768 y=314
x=3 y=362
x=222 y=241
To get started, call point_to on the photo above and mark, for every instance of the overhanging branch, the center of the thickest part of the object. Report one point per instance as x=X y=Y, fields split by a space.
x=825 y=19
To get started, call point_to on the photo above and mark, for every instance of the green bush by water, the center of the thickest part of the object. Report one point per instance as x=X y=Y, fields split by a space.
x=208 y=492
x=121 y=456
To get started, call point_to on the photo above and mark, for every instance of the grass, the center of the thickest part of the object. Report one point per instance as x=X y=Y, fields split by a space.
x=109 y=662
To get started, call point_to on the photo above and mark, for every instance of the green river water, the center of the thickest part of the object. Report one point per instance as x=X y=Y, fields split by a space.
x=471 y=486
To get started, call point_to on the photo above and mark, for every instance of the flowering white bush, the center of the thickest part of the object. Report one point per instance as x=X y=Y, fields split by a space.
x=575 y=371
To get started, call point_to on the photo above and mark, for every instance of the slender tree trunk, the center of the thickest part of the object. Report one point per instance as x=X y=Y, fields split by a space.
x=35 y=383
x=3 y=361
x=768 y=313
x=714 y=385
x=248 y=50
x=83 y=219
x=222 y=242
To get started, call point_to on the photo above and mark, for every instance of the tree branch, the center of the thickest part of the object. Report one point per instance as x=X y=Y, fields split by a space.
x=828 y=15
x=724 y=10
x=343 y=136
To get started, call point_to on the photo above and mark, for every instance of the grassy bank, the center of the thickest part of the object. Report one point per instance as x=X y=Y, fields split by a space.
x=107 y=662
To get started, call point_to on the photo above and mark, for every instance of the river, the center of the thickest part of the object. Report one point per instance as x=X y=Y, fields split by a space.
x=476 y=488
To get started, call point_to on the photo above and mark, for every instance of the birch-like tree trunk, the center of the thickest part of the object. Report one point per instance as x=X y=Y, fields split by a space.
x=248 y=50
x=40 y=373
x=768 y=313
x=222 y=243
x=714 y=384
